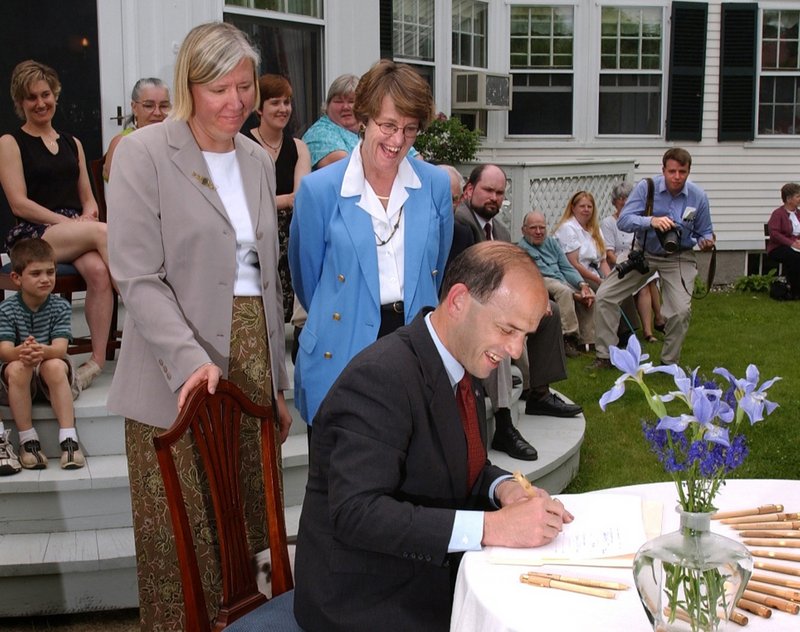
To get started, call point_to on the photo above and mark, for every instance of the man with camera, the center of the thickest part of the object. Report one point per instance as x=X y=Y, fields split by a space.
x=667 y=221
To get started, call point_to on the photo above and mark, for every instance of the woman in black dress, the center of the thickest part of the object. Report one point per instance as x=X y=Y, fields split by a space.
x=292 y=162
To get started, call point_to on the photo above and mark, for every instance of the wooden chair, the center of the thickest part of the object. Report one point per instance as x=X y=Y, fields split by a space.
x=99 y=185
x=214 y=422
x=769 y=263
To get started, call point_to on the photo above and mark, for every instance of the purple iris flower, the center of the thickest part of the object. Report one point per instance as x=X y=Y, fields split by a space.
x=704 y=411
x=629 y=361
x=752 y=398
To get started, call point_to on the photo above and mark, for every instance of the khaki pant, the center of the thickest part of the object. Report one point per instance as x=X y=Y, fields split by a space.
x=576 y=319
x=677 y=273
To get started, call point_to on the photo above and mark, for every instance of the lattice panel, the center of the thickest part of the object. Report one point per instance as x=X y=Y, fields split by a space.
x=550 y=195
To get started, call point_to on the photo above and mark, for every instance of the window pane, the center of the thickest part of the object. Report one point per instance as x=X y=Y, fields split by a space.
x=293 y=50
x=630 y=104
x=542 y=105
x=413 y=29
x=469 y=33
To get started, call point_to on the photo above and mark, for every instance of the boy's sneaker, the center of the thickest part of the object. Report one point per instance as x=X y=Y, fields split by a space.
x=71 y=455
x=9 y=463
x=30 y=455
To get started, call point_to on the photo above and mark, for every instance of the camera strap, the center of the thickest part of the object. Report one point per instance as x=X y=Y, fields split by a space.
x=648 y=211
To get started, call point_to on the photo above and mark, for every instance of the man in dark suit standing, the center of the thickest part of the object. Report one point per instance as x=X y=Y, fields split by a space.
x=483 y=197
x=399 y=482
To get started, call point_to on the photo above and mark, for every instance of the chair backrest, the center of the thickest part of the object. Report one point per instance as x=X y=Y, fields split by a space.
x=215 y=421
x=96 y=174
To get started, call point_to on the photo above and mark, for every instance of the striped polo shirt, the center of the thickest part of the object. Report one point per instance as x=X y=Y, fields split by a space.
x=52 y=320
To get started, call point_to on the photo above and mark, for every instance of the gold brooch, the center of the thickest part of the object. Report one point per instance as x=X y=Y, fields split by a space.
x=204 y=180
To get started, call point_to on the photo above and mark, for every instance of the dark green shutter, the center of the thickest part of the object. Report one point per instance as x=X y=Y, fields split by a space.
x=687 y=64
x=737 y=80
x=386 y=29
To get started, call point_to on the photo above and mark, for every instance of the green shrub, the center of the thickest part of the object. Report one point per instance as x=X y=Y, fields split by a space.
x=755 y=282
x=448 y=141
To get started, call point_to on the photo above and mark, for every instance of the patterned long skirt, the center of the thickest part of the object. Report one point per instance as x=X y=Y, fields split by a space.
x=160 y=593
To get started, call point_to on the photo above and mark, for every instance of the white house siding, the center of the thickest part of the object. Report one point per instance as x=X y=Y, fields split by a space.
x=742 y=179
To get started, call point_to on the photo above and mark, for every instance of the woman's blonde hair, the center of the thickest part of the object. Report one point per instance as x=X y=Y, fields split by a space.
x=208 y=52
x=26 y=73
x=594 y=223
x=410 y=92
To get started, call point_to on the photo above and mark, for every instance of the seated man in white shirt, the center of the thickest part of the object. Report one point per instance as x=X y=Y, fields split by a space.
x=564 y=284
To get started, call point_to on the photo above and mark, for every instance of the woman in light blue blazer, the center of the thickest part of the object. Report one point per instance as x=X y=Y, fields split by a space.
x=370 y=233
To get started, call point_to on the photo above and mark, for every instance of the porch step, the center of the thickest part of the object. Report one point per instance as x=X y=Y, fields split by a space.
x=66 y=541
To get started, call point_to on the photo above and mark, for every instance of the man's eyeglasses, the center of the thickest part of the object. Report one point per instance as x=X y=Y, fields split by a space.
x=150 y=106
x=390 y=129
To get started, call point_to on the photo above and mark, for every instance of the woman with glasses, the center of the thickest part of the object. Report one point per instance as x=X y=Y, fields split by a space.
x=149 y=104
x=370 y=234
x=43 y=174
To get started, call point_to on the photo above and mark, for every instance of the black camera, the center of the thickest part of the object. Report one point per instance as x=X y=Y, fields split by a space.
x=670 y=240
x=635 y=261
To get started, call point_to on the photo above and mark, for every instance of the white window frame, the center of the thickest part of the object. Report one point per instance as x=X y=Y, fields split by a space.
x=760 y=73
x=586 y=72
x=284 y=11
x=595 y=21
x=472 y=34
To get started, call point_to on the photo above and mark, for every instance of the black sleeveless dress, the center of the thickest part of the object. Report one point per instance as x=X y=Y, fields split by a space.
x=51 y=180
x=284 y=183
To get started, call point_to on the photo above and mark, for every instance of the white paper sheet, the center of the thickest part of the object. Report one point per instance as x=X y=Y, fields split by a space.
x=607 y=527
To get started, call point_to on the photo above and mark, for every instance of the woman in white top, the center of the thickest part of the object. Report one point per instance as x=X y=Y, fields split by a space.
x=194 y=249
x=578 y=233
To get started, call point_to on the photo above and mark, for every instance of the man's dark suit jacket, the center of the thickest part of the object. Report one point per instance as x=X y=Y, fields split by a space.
x=388 y=471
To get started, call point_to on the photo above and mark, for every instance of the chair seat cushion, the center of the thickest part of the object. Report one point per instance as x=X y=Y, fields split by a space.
x=277 y=614
x=62 y=269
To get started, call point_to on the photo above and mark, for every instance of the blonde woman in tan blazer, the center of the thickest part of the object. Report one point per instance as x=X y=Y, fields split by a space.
x=193 y=237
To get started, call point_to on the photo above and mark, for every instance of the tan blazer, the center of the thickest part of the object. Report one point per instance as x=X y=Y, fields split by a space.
x=172 y=251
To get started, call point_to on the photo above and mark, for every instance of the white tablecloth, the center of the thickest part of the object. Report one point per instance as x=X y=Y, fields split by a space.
x=490 y=598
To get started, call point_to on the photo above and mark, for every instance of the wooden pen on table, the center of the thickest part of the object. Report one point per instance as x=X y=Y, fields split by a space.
x=770 y=533
x=736 y=617
x=755 y=608
x=581 y=581
x=786 y=556
x=788 y=524
x=772 y=602
x=756 y=511
x=787 y=543
x=775 y=591
x=773 y=517
x=778 y=581
x=776 y=568
x=543 y=582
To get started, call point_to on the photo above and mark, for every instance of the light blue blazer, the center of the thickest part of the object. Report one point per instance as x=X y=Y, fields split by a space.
x=334 y=264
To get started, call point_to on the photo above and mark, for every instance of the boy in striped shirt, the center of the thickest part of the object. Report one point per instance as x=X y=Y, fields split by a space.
x=35 y=329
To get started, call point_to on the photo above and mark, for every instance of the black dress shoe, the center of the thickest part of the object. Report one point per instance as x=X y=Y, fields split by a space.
x=514 y=445
x=553 y=406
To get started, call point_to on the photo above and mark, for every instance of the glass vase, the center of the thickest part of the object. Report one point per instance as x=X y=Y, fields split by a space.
x=690 y=580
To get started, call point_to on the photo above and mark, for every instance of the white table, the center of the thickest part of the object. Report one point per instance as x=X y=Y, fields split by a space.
x=490 y=598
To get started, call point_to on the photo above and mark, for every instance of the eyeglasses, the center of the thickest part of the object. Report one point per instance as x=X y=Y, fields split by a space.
x=390 y=129
x=150 y=106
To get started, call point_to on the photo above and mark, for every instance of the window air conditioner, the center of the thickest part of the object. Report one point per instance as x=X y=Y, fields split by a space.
x=475 y=90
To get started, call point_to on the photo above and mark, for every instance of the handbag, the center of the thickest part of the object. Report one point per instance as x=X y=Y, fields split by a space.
x=780 y=290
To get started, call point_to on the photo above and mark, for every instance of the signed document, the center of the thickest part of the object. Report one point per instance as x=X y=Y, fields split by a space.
x=607 y=531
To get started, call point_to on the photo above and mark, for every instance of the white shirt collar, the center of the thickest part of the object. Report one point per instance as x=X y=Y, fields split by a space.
x=452 y=366
x=355 y=184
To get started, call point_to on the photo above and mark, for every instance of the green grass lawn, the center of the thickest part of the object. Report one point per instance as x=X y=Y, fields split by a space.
x=728 y=329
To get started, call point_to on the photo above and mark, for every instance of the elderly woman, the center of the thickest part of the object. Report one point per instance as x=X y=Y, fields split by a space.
x=784 y=235
x=618 y=246
x=43 y=174
x=578 y=233
x=149 y=104
x=370 y=235
x=334 y=135
x=195 y=254
x=292 y=162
